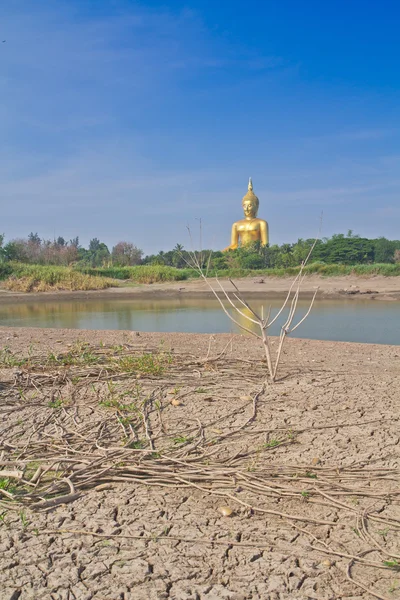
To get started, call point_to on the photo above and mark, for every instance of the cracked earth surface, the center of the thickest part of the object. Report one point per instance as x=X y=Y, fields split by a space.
x=336 y=406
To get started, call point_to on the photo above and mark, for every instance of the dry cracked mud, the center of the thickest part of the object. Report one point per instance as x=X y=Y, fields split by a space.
x=309 y=467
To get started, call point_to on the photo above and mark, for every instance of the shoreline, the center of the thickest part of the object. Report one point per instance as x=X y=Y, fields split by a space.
x=330 y=288
x=19 y=339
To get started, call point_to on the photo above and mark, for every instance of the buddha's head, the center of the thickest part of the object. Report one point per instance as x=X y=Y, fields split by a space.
x=250 y=202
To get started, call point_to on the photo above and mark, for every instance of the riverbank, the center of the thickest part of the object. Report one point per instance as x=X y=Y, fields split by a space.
x=350 y=287
x=186 y=478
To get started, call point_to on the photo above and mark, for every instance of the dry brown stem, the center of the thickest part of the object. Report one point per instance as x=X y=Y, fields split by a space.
x=256 y=325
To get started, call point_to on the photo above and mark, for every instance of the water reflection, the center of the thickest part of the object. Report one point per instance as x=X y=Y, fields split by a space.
x=358 y=321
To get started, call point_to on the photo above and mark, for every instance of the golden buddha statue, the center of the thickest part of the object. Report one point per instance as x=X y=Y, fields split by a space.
x=250 y=229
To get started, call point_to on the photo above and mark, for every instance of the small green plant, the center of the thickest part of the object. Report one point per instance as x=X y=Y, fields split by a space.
x=116 y=400
x=356 y=531
x=5 y=484
x=24 y=519
x=394 y=587
x=21 y=394
x=272 y=444
x=118 y=348
x=290 y=435
x=181 y=439
x=56 y=403
x=79 y=354
x=392 y=564
x=201 y=390
x=305 y=494
x=154 y=455
x=311 y=475
x=383 y=532
x=3 y=517
x=118 y=405
x=135 y=444
x=9 y=359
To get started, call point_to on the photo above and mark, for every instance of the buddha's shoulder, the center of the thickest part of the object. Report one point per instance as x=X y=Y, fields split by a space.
x=261 y=221
x=241 y=221
x=247 y=221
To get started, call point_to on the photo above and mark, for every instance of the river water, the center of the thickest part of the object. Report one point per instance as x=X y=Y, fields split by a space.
x=342 y=320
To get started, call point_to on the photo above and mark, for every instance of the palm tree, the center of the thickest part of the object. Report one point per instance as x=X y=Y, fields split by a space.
x=177 y=259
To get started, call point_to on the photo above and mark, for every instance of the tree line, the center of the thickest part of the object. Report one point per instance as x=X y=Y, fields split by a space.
x=34 y=250
x=347 y=249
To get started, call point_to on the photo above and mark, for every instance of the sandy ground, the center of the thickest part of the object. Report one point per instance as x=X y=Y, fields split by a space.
x=328 y=431
x=375 y=288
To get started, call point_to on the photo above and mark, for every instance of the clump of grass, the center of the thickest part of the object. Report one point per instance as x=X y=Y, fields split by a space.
x=9 y=359
x=5 y=484
x=135 y=444
x=118 y=405
x=79 y=354
x=43 y=278
x=181 y=439
x=392 y=564
x=272 y=444
x=117 y=399
x=55 y=403
x=145 y=364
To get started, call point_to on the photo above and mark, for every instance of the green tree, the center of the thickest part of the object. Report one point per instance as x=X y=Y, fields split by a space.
x=2 y=253
x=384 y=250
x=178 y=258
x=33 y=238
x=98 y=254
x=94 y=245
x=126 y=254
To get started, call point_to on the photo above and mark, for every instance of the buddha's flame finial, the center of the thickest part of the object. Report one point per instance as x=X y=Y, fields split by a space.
x=250 y=186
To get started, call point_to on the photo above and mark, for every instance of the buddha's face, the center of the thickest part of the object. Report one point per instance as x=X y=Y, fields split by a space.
x=250 y=209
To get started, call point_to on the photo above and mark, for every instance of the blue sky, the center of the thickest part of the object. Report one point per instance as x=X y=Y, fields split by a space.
x=129 y=120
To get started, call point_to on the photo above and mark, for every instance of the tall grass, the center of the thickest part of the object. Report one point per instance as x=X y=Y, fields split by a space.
x=141 y=273
x=43 y=278
x=384 y=269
